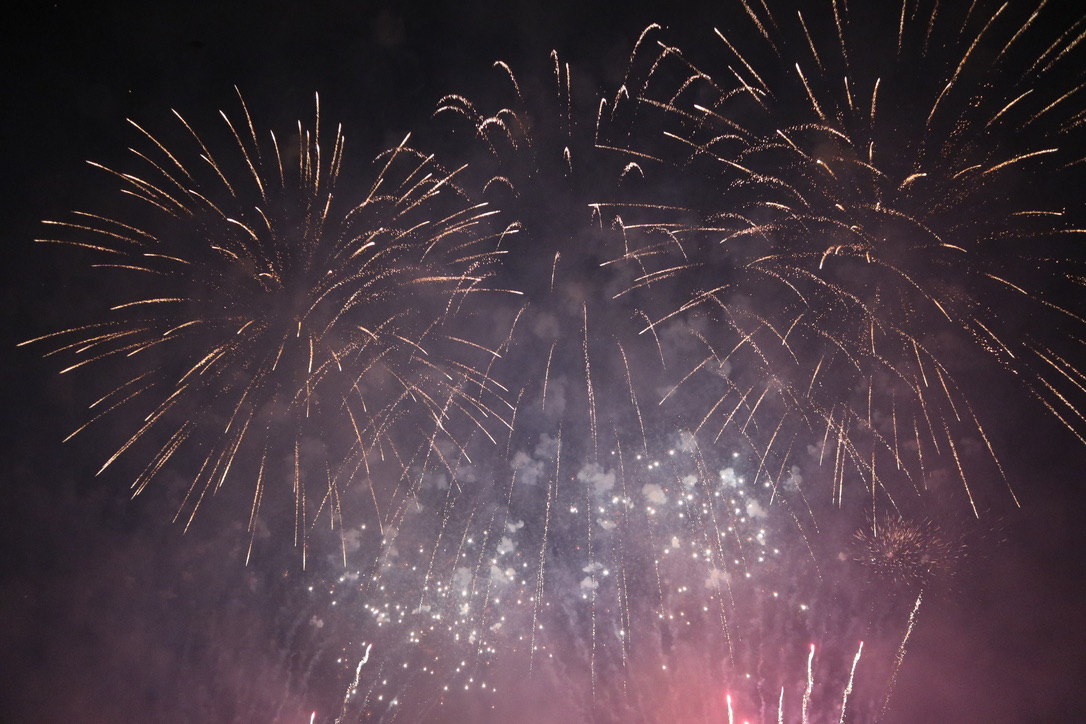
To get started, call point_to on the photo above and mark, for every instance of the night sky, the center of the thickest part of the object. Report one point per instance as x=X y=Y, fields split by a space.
x=112 y=613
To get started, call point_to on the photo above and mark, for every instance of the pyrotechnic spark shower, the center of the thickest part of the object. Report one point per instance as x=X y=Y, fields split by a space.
x=756 y=287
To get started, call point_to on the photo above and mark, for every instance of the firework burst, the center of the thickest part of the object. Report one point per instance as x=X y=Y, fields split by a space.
x=908 y=551
x=841 y=253
x=270 y=327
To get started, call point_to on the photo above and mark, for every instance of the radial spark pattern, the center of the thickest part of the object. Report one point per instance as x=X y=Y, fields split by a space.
x=274 y=321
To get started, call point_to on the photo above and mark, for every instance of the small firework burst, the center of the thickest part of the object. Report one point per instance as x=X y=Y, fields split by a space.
x=908 y=551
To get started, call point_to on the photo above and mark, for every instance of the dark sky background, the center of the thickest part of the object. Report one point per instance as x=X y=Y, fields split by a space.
x=110 y=615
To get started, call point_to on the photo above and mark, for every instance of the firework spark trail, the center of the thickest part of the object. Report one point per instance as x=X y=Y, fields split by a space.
x=810 y=684
x=354 y=684
x=537 y=600
x=851 y=679
x=900 y=657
